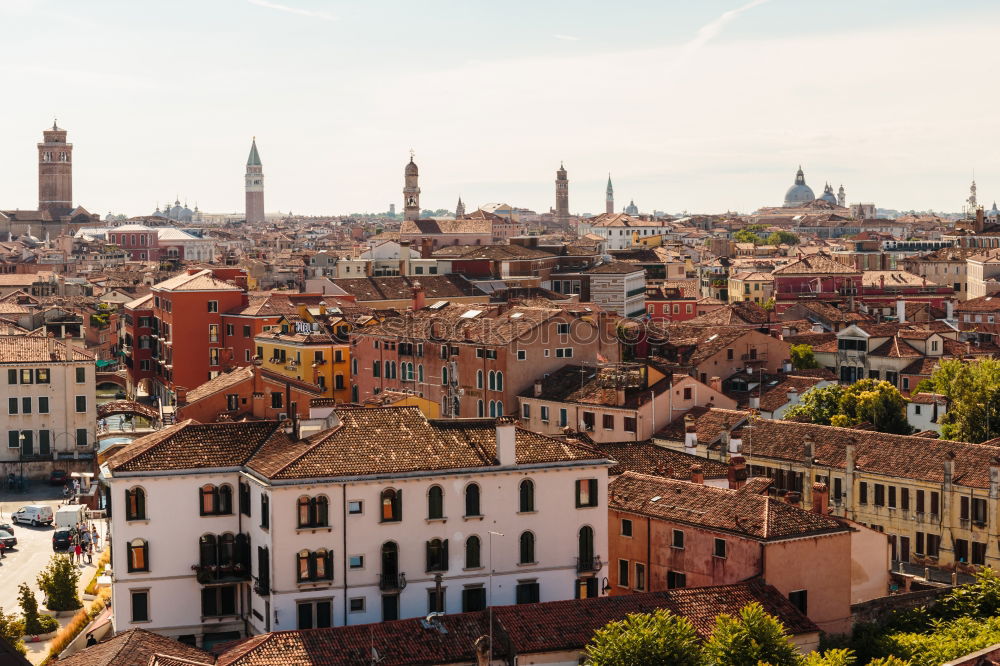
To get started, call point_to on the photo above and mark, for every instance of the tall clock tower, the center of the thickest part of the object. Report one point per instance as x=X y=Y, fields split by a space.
x=254 y=186
x=55 y=173
x=411 y=191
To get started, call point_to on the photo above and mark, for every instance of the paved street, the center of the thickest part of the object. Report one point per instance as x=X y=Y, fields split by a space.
x=34 y=548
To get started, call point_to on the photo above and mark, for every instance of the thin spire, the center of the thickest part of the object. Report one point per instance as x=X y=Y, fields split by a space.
x=254 y=158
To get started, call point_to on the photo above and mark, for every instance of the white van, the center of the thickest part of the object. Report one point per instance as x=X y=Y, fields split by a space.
x=69 y=515
x=34 y=514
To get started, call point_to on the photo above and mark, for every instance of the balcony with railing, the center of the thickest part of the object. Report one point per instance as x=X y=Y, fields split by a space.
x=214 y=574
x=588 y=564
x=261 y=586
x=391 y=581
x=635 y=292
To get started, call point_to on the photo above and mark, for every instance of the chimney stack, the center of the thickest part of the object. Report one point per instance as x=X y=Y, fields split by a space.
x=538 y=388
x=995 y=478
x=620 y=396
x=716 y=384
x=426 y=248
x=419 y=299
x=949 y=469
x=793 y=497
x=980 y=220
x=849 y=453
x=697 y=474
x=901 y=311
x=949 y=308
x=404 y=257
x=821 y=499
x=180 y=393
x=506 y=437
x=808 y=450
x=793 y=396
x=690 y=435
x=737 y=472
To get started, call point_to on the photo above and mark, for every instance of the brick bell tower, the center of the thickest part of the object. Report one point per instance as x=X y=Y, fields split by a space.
x=411 y=191
x=254 y=186
x=55 y=173
x=562 y=194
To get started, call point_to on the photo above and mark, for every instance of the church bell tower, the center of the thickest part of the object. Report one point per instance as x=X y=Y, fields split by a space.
x=411 y=191
x=254 y=186
x=562 y=194
x=55 y=173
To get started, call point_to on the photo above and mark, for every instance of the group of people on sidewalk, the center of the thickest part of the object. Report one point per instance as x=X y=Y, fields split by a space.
x=84 y=541
x=71 y=491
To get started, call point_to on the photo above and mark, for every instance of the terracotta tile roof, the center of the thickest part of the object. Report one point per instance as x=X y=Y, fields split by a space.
x=567 y=625
x=743 y=313
x=390 y=440
x=619 y=220
x=901 y=456
x=613 y=268
x=136 y=647
x=892 y=279
x=928 y=399
x=220 y=383
x=894 y=347
x=192 y=445
x=777 y=395
x=812 y=339
x=592 y=385
x=816 y=264
x=442 y=226
x=709 y=423
x=201 y=281
x=981 y=304
x=491 y=252
x=754 y=516
x=648 y=458
x=38 y=349
x=401 y=287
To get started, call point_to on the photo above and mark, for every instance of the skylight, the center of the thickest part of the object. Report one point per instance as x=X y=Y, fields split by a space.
x=471 y=314
x=517 y=315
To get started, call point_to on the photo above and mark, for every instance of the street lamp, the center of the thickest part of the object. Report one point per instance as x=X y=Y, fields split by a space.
x=489 y=600
x=20 y=456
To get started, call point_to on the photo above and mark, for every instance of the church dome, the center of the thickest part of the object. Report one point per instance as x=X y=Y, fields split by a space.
x=411 y=168
x=799 y=193
x=828 y=195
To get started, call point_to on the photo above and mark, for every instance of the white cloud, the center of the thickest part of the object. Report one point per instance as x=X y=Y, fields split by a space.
x=567 y=38
x=293 y=10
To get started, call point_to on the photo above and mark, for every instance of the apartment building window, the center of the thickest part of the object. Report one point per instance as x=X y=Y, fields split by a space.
x=12 y=406
x=392 y=505
x=473 y=551
x=218 y=601
x=675 y=580
x=472 y=508
x=933 y=545
x=355 y=507
x=626 y=527
x=892 y=497
x=978 y=552
x=677 y=539
x=720 y=548
x=963 y=512
x=935 y=502
x=979 y=511
x=276 y=400
x=629 y=424
x=920 y=503
x=564 y=352
x=608 y=421
x=135 y=504
x=140 y=605
x=522 y=354
x=436 y=601
x=213 y=332
x=81 y=404
x=82 y=437
x=526 y=496
x=961 y=550
x=25 y=405
x=586 y=492
x=315 y=565
x=435 y=503
x=640 y=576
x=562 y=329
x=624 y=568
x=437 y=555
x=526 y=548
x=216 y=500
x=544 y=413
x=800 y=599
x=527 y=592
x=904 y=499
x=81 y=376
x=879 y=494
x=213 y=356
x=138 y=555
x=213 y=306
x=863 y=493
x=919 y=549
x=687 y=393
x=525 y=410
x=473 y=599
x=313 y=511
x=246 y=331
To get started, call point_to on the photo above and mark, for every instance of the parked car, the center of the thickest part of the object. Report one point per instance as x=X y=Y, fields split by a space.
x=61 y=540
x=7 y=527
x=34 y=514
x=7 y=539
x=58 y=477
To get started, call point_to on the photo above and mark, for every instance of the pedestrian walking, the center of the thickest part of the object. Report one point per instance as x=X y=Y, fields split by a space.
x=78 y=551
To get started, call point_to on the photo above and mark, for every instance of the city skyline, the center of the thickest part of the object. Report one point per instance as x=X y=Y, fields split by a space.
x=712 y=112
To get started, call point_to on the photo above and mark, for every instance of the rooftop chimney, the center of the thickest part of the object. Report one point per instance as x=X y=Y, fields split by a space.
x=538 y=388
x=901 y=311
x=426 y=248
x=793 y=396
x=697 y=474
x=807 y=450
x=620 y=396
x=180 y=393
x=793 y=497
x=419 y=299
x=716 y=384
x=506 y=435
x=949 y=308
x=849 y=453
x=737 y=472
x=995 y=478
x=821 y=499
x=949 y=468
x=690 y=435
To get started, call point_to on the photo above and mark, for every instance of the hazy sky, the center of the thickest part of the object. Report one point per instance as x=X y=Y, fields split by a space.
x=700 y=106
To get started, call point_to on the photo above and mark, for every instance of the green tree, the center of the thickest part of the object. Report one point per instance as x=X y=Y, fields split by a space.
x=889 y=661
x=747 y=236
x=837 y=657
x=925 y=385
x=12 y=631
x=802 y=357
x=945 y=641
x=865 y=401
x=58 y=581
x=973 y=392
x=646 y=638
x=782 y=237
x=750 y=639
x=34 y=623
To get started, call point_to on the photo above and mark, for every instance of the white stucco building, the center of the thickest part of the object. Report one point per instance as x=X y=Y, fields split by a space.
x=618 y=287
x=226 y=528
x=620 y=229
x=47 y=398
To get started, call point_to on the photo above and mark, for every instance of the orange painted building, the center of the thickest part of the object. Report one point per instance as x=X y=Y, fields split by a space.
x=248 y=392
x=665 y=534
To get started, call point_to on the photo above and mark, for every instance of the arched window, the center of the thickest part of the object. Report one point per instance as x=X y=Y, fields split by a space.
x=499 y=408
x=376 y=368
x=209 y=497
x=444 y=375
x=135 y=504
x=526 y=496
x=499 y=380
x=314 y=565
x=456 y=408
x=420 y=372
x=227 y=550
x=479 y=379
x=585 y=548
x=492 y=380
x=493 y=409
x=313 y=511
x=435 y=502
x=472 y=500
x=472 y=552
x=392 y=505
x=390 y=558
x=480 y=409
x=138 y=555
x=527 y=548
x=225 y=506
x=437 y=555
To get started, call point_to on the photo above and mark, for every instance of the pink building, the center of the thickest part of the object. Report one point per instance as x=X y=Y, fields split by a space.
x=139 y=241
